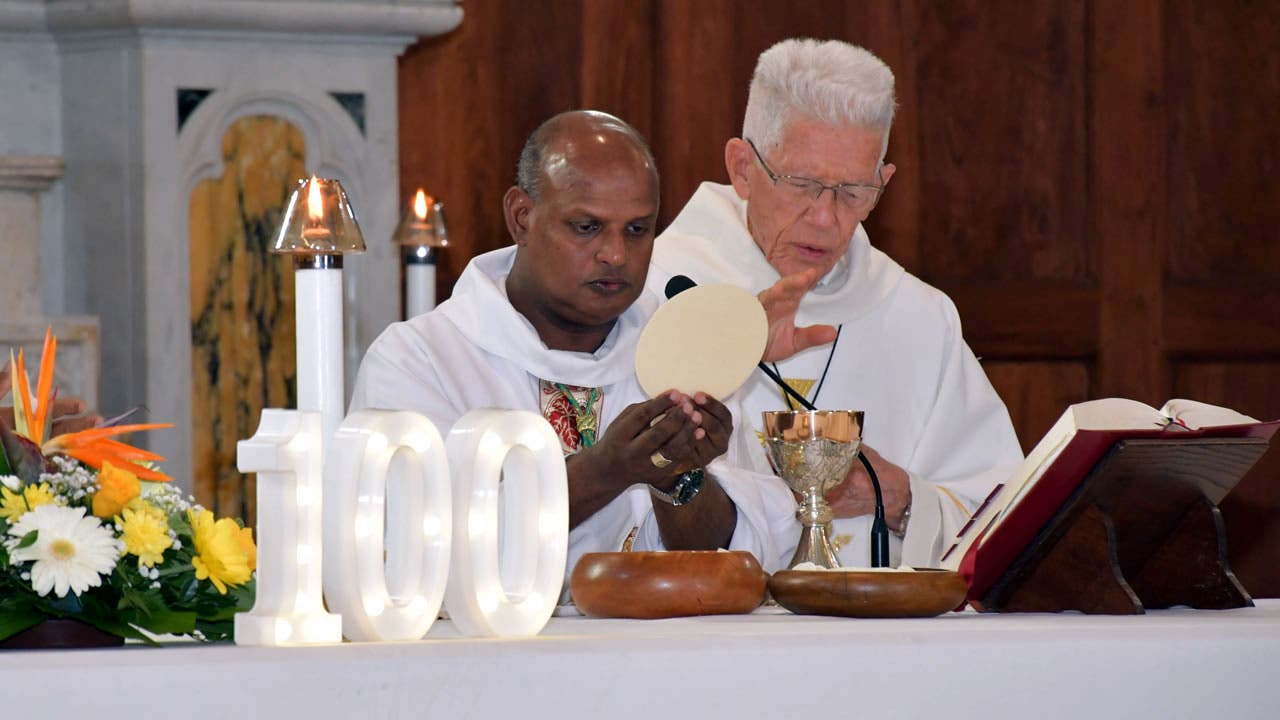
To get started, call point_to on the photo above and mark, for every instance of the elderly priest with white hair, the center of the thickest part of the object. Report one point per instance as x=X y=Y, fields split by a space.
x=550 y=325
x=808 y=169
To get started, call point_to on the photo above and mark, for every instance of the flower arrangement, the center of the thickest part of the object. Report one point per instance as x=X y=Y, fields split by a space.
x=91 y=530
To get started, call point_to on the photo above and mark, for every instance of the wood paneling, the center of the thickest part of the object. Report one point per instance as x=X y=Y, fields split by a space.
x=1000 y=101
x=1224 y=157
x=1094 y=184
x=698 y=107
x=1036 y=393
x=1028 y=322
x=1223 y=321
x=1127 y=117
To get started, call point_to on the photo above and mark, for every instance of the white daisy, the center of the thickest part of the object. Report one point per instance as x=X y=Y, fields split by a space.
x=71 y=551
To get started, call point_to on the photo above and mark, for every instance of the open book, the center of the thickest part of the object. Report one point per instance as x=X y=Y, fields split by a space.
x=1016 y=511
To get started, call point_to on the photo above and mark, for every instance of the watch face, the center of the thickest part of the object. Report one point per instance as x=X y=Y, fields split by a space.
x=688 y=486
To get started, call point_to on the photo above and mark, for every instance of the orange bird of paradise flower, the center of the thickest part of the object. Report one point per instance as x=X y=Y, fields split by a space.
x=92 y=447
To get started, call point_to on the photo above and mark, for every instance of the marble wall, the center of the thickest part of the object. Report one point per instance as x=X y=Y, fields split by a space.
x=24 y=183
x=242 y=311
x=174 y=119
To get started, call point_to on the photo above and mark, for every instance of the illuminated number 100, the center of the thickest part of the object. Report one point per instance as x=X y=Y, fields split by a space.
x=385 y=567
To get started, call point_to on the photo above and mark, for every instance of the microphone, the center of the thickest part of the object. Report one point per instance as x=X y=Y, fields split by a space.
x=879 y=527
x=678 y=284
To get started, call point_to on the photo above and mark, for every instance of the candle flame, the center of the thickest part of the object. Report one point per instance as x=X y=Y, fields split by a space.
x=315 y=205
x=420 y=203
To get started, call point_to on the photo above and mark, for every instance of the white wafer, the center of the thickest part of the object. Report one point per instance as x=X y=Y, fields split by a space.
x=706 y=339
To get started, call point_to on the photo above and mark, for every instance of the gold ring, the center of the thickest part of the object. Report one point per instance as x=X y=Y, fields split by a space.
x=659 y=460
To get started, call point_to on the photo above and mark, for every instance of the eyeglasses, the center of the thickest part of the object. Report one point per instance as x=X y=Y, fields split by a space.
x=852 y=196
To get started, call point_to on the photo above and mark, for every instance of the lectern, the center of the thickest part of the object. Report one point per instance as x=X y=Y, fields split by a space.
x=1142 y=530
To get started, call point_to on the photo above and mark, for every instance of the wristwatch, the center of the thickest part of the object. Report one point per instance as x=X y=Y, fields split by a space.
x=902 y=525
x=687 y=488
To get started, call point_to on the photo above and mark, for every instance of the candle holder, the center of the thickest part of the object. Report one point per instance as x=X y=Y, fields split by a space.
x=318 y=221
x=319 y=227
x=421 y=232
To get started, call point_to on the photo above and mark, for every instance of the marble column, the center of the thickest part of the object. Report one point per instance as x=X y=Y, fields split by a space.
x=22 y=319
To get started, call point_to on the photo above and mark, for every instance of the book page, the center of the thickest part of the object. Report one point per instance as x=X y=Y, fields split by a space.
x=1092 y=415
x=1195 y=414
x=1116 y=414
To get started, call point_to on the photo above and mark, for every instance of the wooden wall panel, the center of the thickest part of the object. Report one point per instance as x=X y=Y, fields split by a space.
x=1036 y=393
x=1128 y=229
x=1224 y=209
x=698 y=107
x=617 y=66
x=1000 y=100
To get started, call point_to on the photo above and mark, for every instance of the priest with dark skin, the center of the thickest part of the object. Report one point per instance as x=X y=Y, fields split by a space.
x=585 y=225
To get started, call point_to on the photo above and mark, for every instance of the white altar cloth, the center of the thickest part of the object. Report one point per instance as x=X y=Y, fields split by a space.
x=1166 y=664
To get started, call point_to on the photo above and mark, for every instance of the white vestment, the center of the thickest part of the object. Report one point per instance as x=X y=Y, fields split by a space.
x=900 y=358
x=476 y=351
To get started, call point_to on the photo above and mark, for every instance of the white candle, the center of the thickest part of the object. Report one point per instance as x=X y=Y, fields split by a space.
x=419 y=282
x=317 y=298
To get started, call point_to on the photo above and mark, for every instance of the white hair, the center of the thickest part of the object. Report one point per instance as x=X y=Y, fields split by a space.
x=830 y=81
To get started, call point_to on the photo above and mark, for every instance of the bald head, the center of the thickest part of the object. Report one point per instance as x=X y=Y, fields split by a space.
x=582 y=216
x=559 y=144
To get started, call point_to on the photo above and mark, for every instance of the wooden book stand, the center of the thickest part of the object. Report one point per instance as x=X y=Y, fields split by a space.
x=1142 y=531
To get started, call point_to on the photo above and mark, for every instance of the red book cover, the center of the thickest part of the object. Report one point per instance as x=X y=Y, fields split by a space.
x=988 y=559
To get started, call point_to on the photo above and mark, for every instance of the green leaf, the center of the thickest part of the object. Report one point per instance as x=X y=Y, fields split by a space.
x=13 y=622
x=28 y=540
x=218 y=631
x=172 y=622
x=5 y=467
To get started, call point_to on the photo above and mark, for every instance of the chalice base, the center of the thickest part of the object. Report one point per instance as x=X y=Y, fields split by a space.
x=815 y=547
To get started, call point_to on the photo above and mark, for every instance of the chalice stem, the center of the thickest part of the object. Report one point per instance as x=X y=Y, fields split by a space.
x=815 y=516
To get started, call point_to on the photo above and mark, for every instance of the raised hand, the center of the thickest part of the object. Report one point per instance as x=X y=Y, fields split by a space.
x=628 y=450
x=781 y=302
x=855 y=496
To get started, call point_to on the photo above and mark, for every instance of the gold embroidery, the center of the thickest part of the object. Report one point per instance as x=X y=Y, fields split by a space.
x=801 y=385
x=631 y=539
x=956 y=500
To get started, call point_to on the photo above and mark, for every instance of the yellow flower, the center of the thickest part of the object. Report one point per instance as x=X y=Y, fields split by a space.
x=245 y=537
x=220 y=558
x=116 y=487
x=13 y=505
x=145 y=531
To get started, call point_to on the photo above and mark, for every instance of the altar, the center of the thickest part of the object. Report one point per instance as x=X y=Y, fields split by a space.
x=1166 y=664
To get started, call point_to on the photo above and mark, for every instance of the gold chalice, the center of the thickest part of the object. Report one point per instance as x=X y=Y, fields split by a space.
x=811 y=450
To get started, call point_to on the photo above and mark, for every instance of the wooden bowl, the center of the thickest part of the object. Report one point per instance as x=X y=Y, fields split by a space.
x=650 y=585
x=868 y=594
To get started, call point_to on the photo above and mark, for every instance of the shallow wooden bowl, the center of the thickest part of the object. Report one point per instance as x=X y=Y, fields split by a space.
x=868 y=594
x=667 y=584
